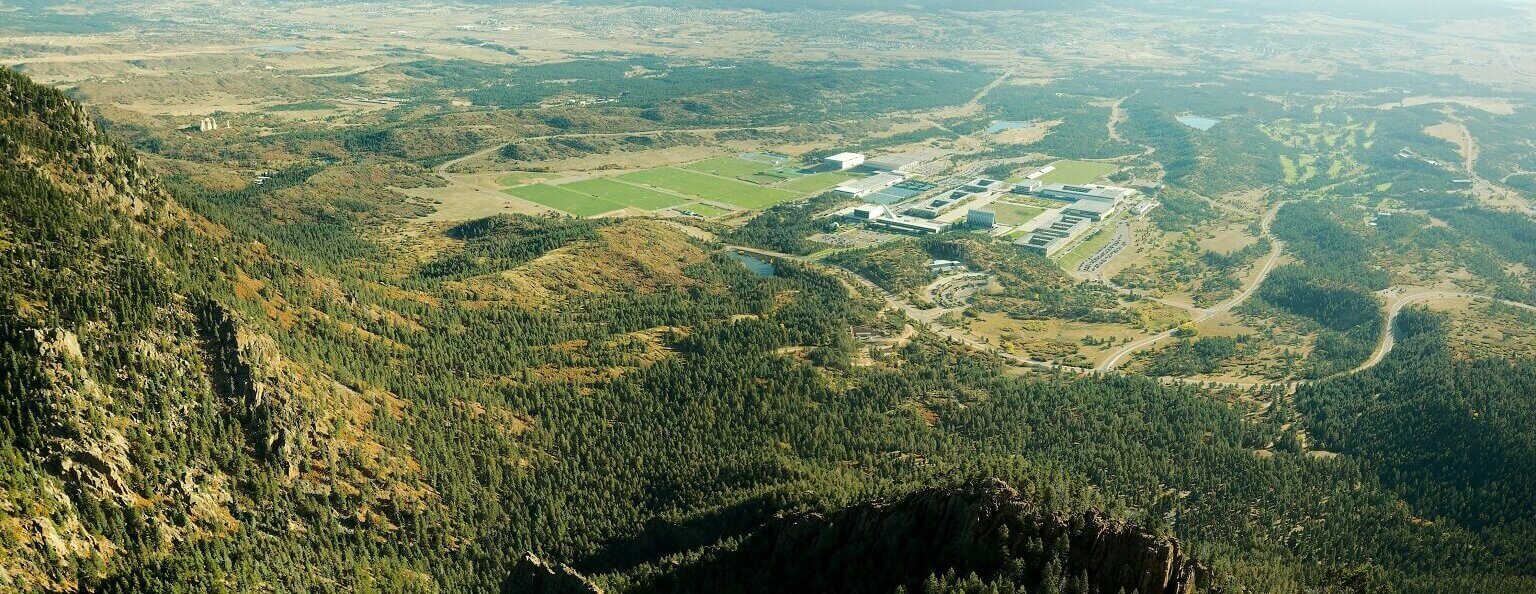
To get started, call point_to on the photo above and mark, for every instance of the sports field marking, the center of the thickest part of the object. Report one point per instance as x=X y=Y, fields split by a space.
x=619 y=192
x=730 y=167
x=710 y=187
x=561 y=199
x=517 y=178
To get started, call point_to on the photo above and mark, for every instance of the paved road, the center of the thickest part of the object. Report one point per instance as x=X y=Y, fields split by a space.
x=928 y=318
x=1275 y=249
x=1398 y=299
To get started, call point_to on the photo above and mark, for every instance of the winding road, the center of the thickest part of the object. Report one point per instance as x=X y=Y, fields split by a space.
x=1398 y=299
x=1201 y=315
x=928 y=318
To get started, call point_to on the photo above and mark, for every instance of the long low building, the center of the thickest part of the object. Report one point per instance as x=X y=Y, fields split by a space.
x=1051 y=239
x=1114 y=194
x=865 y=186
x=908 y=225
x=903 y=162
x=1093 y=210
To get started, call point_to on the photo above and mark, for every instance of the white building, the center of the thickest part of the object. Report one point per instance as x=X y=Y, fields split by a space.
x=867 y=212
x=908 y=225
x=1093 y=210
x=1113 y=194
x=942 y=266
x=903 y=162
x=865 y=186
x=844 y=161
x=1051 y=239
x=1028 y=186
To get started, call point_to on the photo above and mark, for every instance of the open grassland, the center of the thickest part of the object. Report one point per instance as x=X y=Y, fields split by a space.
x=561 y=199
x=1077 y=172
x=618 y=192
x=1009 y=213
x=784 y=177
x=1065 y=341
x=709 y=187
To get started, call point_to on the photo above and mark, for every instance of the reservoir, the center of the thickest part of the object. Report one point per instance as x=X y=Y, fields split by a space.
x=1001 y=125
x=1198 y=122
x=755 y=264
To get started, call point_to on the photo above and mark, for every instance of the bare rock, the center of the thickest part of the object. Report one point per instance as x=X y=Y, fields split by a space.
x=533 y=575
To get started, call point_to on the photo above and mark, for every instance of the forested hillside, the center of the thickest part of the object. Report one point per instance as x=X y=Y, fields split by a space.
x=198 y=398
x=1452 y=437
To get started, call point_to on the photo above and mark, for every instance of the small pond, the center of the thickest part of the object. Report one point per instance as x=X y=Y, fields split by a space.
x=1001 y=125
x=1200 y=123
x=753 y=263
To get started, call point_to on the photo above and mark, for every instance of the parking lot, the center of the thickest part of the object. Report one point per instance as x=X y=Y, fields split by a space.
x=1109 y=251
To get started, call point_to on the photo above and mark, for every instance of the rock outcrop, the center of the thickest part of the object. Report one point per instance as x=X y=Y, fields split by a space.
x=533 y=575
x=984 y=528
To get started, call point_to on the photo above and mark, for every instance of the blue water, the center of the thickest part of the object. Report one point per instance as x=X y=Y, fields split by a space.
x=286 y=49
x=1000 y=125
x=1198 y=122
x=755 y=264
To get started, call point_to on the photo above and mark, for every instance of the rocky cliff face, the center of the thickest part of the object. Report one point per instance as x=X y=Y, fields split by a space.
x=119 y=368
x=983 y=528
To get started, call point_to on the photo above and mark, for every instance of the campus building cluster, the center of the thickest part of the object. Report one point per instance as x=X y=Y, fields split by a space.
x=1086 y=204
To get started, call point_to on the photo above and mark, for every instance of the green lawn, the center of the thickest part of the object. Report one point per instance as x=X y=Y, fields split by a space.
x=703 y=210
x=1077 y=172
x=517 y=178
x=1096 y=239
x=561 y=199
x=1013 y=214
x=627 y=194
x=730 y=167
x=735 y=193
x=815 y=182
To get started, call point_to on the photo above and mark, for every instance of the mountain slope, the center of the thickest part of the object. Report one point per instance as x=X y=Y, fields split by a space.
x=131 y=393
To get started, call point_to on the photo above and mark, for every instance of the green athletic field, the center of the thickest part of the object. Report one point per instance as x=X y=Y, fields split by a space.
x=1009 y=213
x=815 y=182
x=703 y=210
x=708 y=187
x=561 y=199
x=1077 y=172
x=730 y=167
x=517 y=178
x=627 y=194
